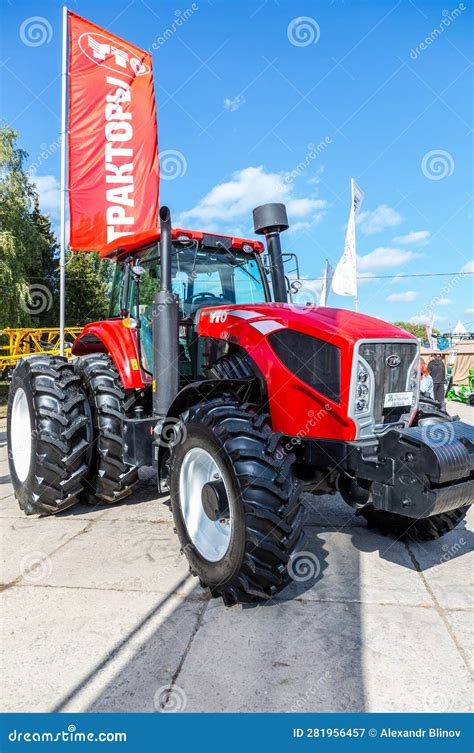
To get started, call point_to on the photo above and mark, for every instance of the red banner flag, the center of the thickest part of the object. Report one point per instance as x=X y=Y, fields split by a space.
x=113 y=149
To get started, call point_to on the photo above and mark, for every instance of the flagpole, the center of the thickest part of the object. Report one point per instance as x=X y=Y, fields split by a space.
x=62 y=231
x=356 y=297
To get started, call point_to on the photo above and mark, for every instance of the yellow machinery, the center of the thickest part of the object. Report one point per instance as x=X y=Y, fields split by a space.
x=16 y=343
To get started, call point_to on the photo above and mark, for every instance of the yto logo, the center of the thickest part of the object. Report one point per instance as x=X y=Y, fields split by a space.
x=393 y=361
x=218 y=317
x=107 y=53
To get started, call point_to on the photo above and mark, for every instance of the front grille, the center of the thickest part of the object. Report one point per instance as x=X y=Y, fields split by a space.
x=386 y=378
x=314 y=361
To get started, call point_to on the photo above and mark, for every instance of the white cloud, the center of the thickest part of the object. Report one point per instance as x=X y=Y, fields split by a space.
x=378 y=219
x=416 y=236
x=469 y=267
x=297 y=227
x=235 y=199
x=469 y=312
x=233 y=104
x=397 y=280
x=424 y=319
x=303 y=207
x=407 y=295
x=442 y=301
x=49 y=193
x=384 y=258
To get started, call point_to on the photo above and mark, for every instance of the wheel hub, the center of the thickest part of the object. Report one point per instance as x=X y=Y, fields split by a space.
x=20 y=429
x=204 y=503
x=214 y=499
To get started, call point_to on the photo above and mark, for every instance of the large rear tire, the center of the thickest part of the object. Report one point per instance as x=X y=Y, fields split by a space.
x=235 y=501
x=424 y=529
x=109 y=479
x=48 y=430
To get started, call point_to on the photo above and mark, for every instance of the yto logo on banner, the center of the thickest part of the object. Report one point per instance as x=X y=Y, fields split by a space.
x=113 y=151
x=107 y=53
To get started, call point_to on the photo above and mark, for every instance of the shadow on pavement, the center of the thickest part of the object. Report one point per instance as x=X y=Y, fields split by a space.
x=456 y=543
x=291 y=653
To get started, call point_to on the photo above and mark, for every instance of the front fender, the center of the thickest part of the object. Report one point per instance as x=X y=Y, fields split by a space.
x=112 y=336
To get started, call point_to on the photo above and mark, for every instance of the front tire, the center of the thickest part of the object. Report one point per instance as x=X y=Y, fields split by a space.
x=48 y=430
x=235 y=501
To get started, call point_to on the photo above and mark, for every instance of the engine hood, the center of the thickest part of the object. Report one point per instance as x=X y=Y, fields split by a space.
x=318 y=321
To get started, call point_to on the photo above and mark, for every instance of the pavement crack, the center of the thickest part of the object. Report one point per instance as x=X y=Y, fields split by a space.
x=19 y=578
x=438 y=607
x=174 y=678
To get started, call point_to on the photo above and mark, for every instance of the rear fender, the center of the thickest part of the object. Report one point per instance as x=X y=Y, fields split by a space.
x=120 y=342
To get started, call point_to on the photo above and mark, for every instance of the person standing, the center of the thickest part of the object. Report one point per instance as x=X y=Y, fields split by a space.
x=437 y=372
x=426 y=382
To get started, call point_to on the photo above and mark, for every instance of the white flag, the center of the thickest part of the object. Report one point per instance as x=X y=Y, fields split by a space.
x=327 y=280
x=432 y=341
x=344 y=281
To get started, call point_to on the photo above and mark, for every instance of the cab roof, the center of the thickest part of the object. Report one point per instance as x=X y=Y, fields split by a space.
x=126 y=244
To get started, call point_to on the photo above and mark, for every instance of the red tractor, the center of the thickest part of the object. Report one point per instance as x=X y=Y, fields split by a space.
x=239 y=402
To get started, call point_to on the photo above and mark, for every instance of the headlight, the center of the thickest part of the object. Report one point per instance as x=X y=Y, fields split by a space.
x=413 y=382
x=362 y=403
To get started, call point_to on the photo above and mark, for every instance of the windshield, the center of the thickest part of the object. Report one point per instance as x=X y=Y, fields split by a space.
x=205 y=278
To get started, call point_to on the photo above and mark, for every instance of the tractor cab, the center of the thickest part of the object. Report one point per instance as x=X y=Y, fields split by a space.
x=206 y=270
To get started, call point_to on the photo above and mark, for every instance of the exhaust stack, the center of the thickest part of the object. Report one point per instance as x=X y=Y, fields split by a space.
x=270 y=220
x=165 y=328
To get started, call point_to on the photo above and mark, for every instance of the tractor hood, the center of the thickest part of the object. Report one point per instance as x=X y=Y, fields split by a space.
x=319 y=396
x=317 y=321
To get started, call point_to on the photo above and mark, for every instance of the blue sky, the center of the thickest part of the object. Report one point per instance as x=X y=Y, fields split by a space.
x=287 y=101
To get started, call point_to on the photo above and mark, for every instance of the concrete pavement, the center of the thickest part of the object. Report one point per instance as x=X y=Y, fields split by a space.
x=100 y=614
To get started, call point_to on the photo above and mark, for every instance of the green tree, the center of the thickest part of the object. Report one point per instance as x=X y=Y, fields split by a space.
x=27 y=244
x=88 y=280
x=419 y=330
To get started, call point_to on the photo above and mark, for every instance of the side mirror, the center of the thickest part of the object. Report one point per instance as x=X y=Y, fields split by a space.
x=294 y=286
x=138 y=271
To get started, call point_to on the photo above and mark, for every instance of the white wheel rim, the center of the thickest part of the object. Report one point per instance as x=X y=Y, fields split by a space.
x=20 y=432
x=210 y=537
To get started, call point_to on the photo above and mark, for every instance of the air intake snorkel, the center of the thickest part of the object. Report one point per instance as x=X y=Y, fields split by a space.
x=165 y=328
x=270 y=220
